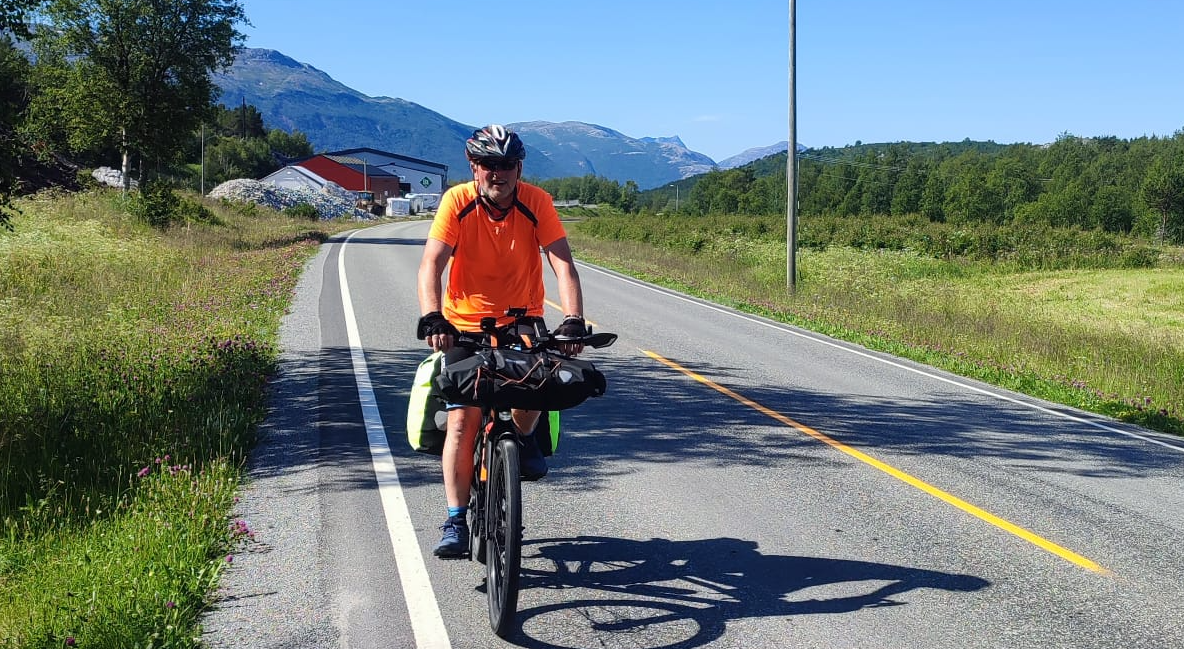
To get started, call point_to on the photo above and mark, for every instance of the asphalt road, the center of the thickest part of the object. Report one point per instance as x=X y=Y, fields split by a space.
x=742 y=484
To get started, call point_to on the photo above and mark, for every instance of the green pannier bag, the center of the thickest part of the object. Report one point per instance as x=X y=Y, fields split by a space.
x=427 y=420
x=546 y=432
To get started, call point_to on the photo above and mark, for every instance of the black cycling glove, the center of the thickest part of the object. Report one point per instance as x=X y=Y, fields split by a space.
x=434 y=323
x=572 y=327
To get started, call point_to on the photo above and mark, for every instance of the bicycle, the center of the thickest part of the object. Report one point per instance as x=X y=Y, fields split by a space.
x=495 y=492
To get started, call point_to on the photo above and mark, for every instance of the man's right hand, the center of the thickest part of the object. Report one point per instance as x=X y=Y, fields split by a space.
x=434 y=324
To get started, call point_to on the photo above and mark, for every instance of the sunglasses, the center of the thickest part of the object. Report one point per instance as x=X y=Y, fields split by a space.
x=495 y=164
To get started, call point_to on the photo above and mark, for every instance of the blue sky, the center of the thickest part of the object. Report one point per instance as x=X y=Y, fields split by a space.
x=716 y=74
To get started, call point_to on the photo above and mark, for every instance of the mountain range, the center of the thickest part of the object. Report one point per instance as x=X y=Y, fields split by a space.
x=296 y=96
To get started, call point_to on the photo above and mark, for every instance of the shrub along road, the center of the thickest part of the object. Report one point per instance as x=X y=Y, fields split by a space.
x=741 y=480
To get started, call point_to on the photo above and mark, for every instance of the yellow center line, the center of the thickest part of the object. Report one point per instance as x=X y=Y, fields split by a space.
x=559 y=308
x=1041 y=542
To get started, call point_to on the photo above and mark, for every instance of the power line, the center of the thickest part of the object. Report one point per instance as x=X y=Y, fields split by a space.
x=839 y=176
x=849 y=163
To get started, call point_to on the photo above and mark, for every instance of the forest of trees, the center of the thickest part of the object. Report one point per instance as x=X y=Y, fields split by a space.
x=238 y=145
x=593 y=190
x=126 y=79
x=1104 y=183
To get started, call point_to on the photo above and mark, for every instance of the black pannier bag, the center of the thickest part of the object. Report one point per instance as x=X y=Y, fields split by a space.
x=507 y=378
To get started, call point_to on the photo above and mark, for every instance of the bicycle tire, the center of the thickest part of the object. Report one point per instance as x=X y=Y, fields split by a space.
x=478 y=499
x=503 y=515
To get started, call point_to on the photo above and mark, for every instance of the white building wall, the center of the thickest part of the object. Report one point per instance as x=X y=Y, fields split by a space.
x=295 y=178
x=422 y=182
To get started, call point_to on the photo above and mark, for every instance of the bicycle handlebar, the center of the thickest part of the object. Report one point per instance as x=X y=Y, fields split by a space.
x=595 y=341
x=508 y=335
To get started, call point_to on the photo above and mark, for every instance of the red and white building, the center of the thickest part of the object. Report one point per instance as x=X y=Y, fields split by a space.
x=388 y=175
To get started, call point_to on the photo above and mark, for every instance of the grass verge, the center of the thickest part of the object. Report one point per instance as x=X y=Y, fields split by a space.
x=133 y=370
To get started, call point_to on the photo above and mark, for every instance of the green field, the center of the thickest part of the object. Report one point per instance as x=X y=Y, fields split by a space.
x=1108 y=340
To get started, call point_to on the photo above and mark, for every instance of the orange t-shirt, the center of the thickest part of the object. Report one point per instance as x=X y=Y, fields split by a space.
x=496 y=265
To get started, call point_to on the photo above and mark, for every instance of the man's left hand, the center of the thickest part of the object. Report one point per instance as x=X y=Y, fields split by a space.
x=571 y=327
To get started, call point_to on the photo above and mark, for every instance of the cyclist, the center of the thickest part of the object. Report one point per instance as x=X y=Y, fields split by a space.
x=491 y=230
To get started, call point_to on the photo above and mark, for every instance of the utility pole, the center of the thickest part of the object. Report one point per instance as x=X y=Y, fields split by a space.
x=791 y=165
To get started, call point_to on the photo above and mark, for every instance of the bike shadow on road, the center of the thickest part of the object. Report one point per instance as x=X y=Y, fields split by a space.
x=690 y=590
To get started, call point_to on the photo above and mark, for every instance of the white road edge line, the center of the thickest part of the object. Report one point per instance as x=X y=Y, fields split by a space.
x=426 y=621
x=818 y=339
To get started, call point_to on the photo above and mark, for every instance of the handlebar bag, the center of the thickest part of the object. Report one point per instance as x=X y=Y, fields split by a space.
x=508 y=378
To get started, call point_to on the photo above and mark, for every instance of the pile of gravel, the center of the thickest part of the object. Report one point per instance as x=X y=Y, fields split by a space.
x=328 y=206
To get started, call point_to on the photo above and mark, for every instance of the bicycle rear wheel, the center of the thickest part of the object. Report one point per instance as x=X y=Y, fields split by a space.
x=503 y=516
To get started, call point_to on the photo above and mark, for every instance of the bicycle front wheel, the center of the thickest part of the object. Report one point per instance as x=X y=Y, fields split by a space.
x=478 y=492
x=503 y=558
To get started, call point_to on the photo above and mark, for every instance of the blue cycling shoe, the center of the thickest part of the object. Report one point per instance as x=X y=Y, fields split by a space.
x=530 y=459
x=455 y=542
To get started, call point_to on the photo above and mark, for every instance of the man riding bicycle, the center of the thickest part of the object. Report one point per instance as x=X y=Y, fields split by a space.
x=491 y=230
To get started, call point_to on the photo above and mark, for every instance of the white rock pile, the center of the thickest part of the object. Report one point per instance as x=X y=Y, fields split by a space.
x=111 y=177
x=328 y=206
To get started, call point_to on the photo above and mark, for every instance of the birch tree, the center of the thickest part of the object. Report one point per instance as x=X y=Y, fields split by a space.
x=140 y=71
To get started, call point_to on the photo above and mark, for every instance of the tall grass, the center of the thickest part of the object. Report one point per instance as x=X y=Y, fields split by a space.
x=133 y=367
x=1086 y=319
